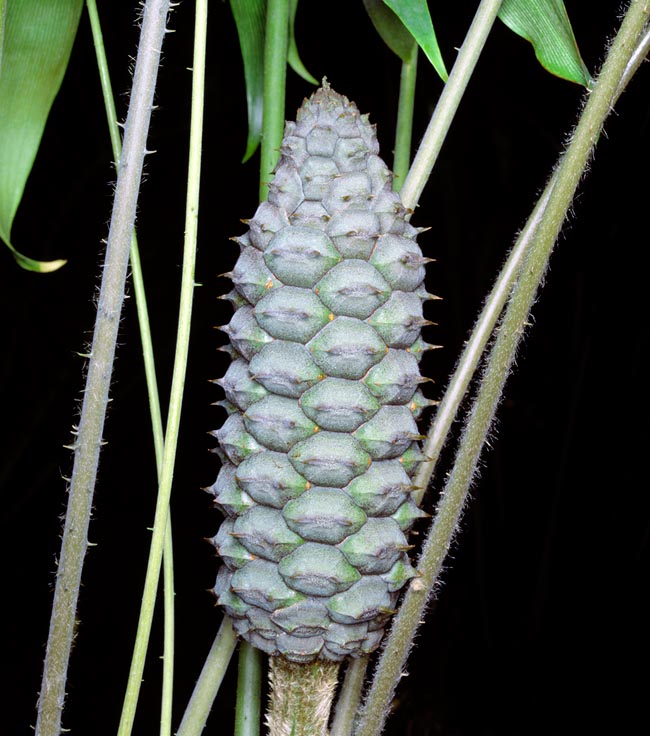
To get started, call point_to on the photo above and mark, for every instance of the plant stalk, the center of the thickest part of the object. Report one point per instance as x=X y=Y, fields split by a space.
x=209 y=682
x=449 y=101
x=93 y=412
x=404 y=129
x=572 y=166
x=249 y=691
x=301 y=697
x=276 y=45
x=178 y=378
x=150 y=378
x=349 y=698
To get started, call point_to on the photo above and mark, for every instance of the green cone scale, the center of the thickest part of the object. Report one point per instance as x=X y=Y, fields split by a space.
x=323 y=393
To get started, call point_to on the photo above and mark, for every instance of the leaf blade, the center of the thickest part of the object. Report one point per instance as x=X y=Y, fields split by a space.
x=37 y=43
x=293 y=57
x=414 y=14
x=391 y=29
x=249 y=18
x=546 y=25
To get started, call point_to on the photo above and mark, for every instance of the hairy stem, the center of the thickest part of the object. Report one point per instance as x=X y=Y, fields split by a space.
x=570 y=170
x=301 y=697
x=93 y=411
x=150 y=377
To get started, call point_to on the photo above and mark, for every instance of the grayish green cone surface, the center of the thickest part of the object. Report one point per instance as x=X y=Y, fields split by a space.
x=321 y=441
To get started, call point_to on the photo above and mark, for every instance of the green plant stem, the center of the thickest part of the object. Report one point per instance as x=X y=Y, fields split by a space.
x=209 y=682
x=348 y=701
x=572 y=165
x=167 y=692
x=276 y=44
x=178 y=378
x=404 y=130
x=249 y=691
x=449 y=101
x=93 y=411
x=150 y=377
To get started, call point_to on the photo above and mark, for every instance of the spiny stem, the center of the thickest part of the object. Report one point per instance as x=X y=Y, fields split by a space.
x=150 y=376
x=93 y=411
x=301 y=697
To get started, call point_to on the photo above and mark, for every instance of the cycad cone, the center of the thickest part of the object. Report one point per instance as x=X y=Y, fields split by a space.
x=321 y=442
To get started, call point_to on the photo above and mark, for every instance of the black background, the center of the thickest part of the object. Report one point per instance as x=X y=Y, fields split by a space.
x=540 y=623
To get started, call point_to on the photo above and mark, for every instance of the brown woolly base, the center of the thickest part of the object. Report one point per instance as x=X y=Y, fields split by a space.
x=300 y=697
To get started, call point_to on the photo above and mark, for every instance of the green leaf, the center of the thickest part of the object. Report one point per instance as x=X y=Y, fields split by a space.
x=249 y=19
x=293 y=57
x=36 y=45
x=414 y=14
x=393 y=32
x=3 y=13
x=546 y=25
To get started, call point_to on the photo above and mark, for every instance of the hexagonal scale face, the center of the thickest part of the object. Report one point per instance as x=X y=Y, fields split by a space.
x=291 y=313
x=251 y=277
x=389 y=433
x=354 y=232
x=400 y=261
x=347 y=348
x=329 y=459
x=382 y=488
x=264 y=533
x=376 y=547
x=395 y=379
x=339 y=405
x=278 y=422
x=300 y=256
x=318 y=569
x=399 y=320
x=285 y=368
x=260 y=584
x=353 y=288
x=325 y=515
x=269 y=478
x=317 y=174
